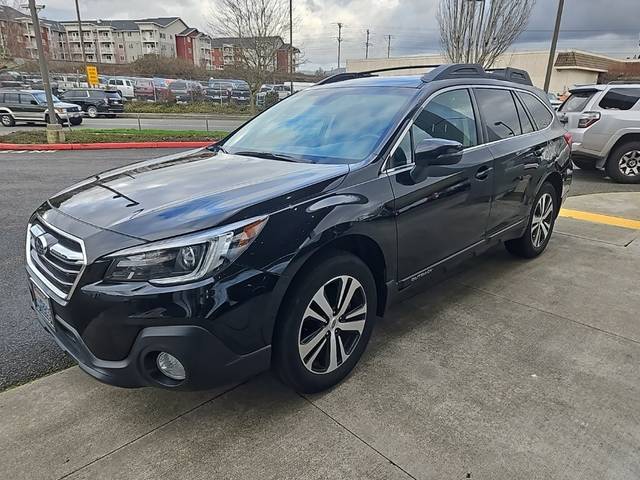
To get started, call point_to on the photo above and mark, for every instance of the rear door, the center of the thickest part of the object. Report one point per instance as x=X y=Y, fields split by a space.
x=518 y=141
x=12 y=102
x=446 y=212
x=571 y=110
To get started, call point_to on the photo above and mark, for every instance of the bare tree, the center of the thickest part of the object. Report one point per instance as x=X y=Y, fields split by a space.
x=258 y=27
x=478 y=31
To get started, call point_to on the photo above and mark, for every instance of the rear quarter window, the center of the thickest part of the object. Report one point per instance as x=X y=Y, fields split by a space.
x=541 y=115
x=620 y=99
x=576 y=102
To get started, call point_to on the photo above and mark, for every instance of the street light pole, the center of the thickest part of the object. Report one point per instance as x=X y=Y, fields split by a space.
x=44 y=68
x=554 y=45
x=291 y=68
x=84 y=57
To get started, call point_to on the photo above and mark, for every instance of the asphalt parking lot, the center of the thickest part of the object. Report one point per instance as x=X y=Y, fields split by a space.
x=509 y=369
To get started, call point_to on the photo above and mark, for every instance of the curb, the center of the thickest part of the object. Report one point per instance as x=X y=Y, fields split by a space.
x=102 y=146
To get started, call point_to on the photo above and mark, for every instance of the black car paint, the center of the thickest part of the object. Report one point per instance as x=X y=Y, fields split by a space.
x=384 y=216
x=104 y=103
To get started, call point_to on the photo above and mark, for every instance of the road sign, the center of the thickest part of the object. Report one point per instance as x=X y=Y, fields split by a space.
x=92 y=76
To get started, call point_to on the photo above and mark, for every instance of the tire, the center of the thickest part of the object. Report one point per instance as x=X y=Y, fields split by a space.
x=535 y=240
x=92 y=111
x=585 y=163
x=7 y=120
x=75 y=121
x=306 y=330
x=623 y=164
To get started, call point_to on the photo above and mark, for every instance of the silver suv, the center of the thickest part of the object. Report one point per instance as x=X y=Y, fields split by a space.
x=604 y=121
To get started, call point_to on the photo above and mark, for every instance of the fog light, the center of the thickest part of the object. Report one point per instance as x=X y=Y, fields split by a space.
x=170 y=366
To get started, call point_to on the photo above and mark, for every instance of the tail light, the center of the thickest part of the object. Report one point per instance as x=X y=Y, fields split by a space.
x=568 y=138
x=588 y=118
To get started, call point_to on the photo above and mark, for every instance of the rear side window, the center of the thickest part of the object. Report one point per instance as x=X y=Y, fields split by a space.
x=576 y=102
x=97 y=94
x=541 y=115
x=620 y=99
x=449 y=116
x=11 y=98
x=499 y=113
x=525 y=122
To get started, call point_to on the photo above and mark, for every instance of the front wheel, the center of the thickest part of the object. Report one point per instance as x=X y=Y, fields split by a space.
x=623 y=165
x=75 y=121
x=541 y=222
x=326 y=324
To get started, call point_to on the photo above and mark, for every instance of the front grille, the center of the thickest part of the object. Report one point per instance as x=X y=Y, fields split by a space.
x=55 y=257
x=73 y=109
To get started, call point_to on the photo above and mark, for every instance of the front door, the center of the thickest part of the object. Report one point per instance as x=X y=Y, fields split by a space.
x=446 y=212
x=30 y=108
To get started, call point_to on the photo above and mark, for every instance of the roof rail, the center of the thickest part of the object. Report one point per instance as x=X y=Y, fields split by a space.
x=443 y=72
x=339 y=77
x=624 y=82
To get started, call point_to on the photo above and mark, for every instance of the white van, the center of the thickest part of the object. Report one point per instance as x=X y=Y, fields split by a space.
x=123 y=85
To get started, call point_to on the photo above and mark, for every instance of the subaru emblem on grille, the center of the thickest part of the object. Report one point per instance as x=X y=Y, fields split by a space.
x=41 y=245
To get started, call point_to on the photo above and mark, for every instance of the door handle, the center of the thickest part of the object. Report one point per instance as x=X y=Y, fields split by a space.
x=483 y=173
x=539 y=151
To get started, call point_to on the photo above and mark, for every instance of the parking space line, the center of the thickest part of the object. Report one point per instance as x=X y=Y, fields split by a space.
x=599 y=218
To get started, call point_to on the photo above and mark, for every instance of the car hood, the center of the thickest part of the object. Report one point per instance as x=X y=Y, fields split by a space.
x=64 y=105
x=192 y=191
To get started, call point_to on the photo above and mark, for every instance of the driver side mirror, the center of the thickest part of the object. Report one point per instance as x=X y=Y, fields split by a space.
x=432 y=152
x=33 y=102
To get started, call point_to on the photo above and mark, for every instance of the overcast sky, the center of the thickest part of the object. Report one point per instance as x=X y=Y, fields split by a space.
x=606 y=26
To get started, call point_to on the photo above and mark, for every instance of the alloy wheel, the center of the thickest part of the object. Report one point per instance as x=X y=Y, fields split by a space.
x=92 y=112
x=6 y=120
x=629 y=163
x=332 y=325
x=542 y=218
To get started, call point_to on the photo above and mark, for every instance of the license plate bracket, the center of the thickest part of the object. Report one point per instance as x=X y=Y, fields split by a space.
x=42 y=305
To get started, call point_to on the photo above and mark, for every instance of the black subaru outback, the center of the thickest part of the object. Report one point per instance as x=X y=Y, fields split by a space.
x=281 y=245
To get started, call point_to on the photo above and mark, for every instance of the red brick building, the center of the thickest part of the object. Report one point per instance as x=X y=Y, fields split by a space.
x=228 y=52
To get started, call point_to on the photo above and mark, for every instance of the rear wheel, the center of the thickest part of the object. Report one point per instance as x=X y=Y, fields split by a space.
x=541 y=222
x=92 y=111
x=585 y=163
x=623 y=165
x=7 y=120
x=326 y=323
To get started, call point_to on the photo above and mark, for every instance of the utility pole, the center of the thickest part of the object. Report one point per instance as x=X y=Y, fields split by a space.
x=366 y=52
x=554 y=45
x=84 y=57
x=339 y=41
x=291 y=68
x=388 y=46
x=54 y=130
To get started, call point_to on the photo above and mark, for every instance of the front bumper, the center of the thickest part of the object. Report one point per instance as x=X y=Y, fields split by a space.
x=208 y=362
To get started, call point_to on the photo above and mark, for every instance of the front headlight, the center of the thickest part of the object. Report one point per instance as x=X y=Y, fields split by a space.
x=184 y=259
x=60 y=110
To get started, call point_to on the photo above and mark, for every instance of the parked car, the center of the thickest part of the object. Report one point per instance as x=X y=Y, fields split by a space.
x=123 y=85
x=31 y=106
x=96 y=102
x=240 y=93
x=144 y=89
x=283 y=243
x=186 y=91
x=554 y=100
x=283 y=92
x=604 y=121
x=219 y=91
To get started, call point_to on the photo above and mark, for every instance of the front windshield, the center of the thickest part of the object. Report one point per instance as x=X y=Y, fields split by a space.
x=325 y=125
x=42 y=98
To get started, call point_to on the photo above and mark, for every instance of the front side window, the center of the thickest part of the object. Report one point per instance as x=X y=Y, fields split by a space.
x=541 y=115
x=620 y=99
x=403 y=154
x=26 y=99
x=325 y=125
x=449 y=116
x=499 y=113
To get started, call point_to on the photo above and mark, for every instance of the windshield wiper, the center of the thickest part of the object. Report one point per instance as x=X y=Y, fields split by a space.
x=268 y=155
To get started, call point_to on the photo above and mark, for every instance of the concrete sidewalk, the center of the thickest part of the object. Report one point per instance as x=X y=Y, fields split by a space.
x=510 y=369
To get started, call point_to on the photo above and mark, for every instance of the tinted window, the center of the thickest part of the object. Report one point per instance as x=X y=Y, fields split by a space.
x=449 y=116
x=96 y=94
x=525 y=122
x=403 y=153
x=325 y=125
x=26 y=99
x=542 y=117
x=499 y=113
x=11 y=98
x=576 y=102
x=620 y=98
x=115 y=95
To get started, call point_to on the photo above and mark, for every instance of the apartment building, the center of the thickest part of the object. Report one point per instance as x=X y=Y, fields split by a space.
x=194 y=46
x=229 y=51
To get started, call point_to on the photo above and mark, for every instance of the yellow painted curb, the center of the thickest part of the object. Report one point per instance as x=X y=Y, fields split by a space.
x=598 y=218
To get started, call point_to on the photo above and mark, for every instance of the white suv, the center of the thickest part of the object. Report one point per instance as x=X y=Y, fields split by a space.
x=604 y=121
